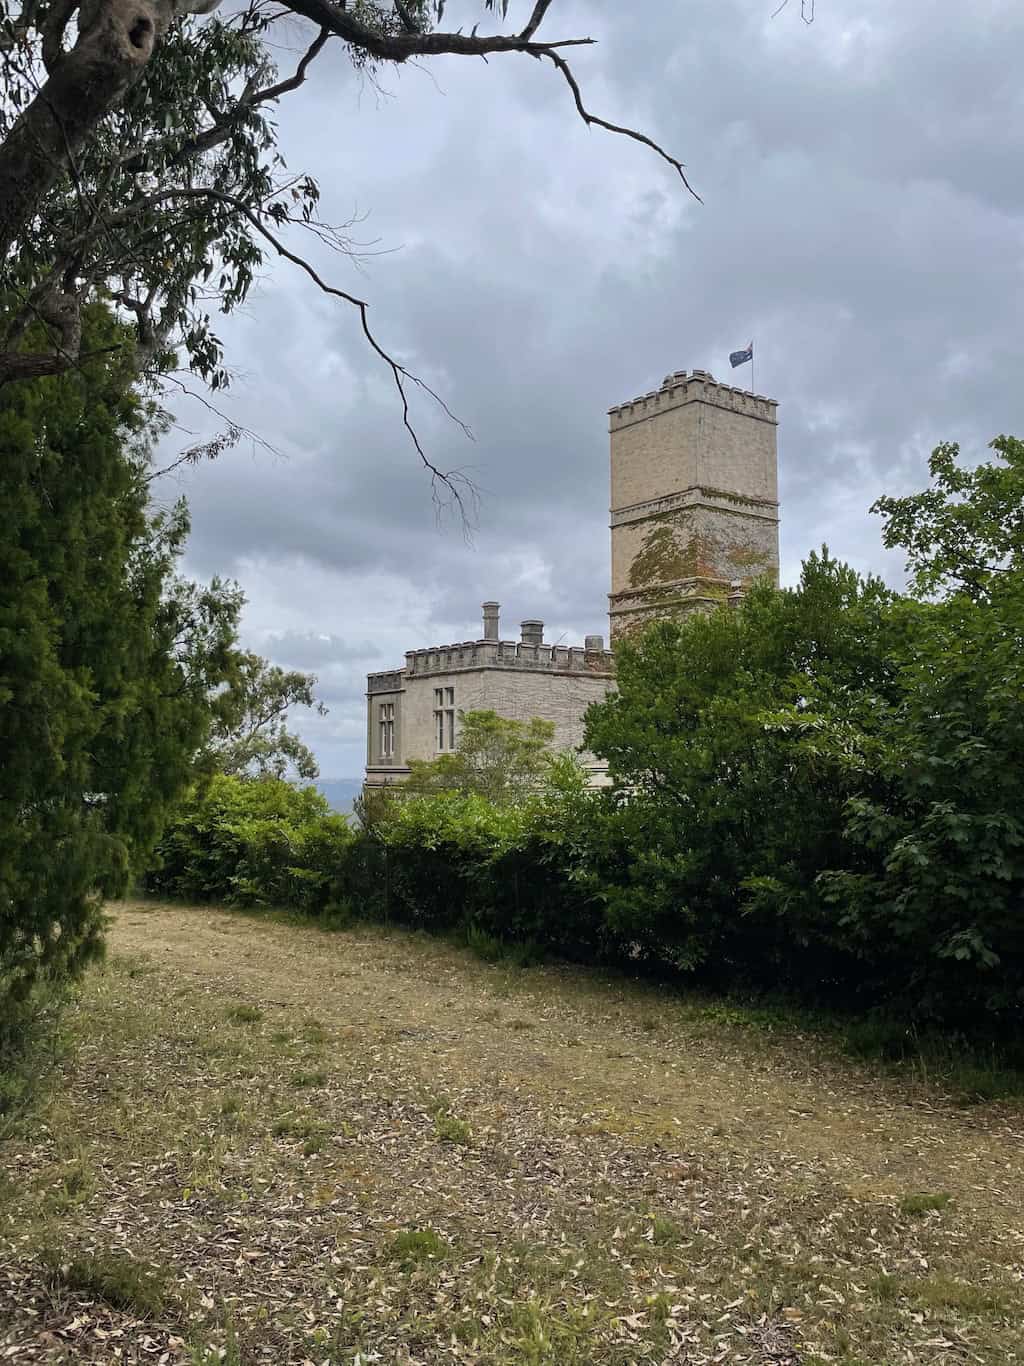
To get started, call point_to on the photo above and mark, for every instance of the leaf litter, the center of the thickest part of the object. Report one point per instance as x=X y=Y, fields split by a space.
x=633 y=1181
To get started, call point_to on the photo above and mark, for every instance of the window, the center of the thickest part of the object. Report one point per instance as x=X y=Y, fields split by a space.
x=444 y=718
x=387 y=729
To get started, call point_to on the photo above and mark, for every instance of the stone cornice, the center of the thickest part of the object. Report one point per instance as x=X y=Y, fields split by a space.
x=697 y=496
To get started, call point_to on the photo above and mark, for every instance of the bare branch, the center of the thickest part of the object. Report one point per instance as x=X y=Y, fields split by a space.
x=209 y=450
x=535 y=20
x=456 y=484
x=400 y=47
x=806 y=10
x=293 y=82
x=546 y=50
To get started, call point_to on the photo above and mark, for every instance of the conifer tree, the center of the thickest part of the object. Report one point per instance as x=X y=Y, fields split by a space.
x=107 y=660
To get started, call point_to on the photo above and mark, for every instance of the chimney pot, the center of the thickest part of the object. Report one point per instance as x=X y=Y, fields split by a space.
x=593 y=642
x=533 y=631
x=490 y=610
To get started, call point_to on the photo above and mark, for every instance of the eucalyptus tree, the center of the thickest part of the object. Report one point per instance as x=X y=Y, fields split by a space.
x=249 y=735
x=139 y=162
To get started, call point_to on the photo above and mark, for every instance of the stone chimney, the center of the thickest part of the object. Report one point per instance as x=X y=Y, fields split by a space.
x=533 y=632
x=491 y=620
x=593 y=642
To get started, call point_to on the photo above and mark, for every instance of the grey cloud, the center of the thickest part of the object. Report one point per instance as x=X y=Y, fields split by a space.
x=313 y=649
x=863 y=220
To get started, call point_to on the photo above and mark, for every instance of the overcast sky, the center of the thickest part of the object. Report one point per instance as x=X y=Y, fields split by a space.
x=863 y=221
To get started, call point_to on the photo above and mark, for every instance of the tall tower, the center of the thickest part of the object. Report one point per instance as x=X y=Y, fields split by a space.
x=694 y=497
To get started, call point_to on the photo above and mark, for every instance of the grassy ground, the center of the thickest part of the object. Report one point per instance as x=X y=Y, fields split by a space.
x=277 y=1145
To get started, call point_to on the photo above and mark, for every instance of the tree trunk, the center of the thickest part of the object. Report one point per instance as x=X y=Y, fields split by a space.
x=116 y=40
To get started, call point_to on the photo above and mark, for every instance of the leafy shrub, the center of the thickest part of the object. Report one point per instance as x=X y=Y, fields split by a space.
x=255 y=842
x=107 y=660
x=505 y=875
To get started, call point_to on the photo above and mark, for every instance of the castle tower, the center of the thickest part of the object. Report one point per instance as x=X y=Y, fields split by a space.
x=694 y=497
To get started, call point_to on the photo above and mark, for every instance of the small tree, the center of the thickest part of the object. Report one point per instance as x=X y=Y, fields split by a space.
x=249 y=735
x=496 y=758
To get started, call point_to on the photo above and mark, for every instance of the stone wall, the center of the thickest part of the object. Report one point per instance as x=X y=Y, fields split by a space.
x=694 y=497
x=516 y=680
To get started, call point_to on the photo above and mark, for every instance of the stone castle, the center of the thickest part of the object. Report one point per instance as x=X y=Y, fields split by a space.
x=694 y=520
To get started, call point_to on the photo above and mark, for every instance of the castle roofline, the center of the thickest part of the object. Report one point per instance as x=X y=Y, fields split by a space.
x=683 y=386
x=512 y=656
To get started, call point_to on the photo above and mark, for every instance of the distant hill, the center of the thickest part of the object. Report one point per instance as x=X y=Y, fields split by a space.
x=340 y=792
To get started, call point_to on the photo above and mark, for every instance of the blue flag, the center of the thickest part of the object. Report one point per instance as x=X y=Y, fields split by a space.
x=741 y=357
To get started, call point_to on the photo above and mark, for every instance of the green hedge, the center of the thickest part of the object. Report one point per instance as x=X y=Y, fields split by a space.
x=443 y=863
x=254 y=843
x=598 y=878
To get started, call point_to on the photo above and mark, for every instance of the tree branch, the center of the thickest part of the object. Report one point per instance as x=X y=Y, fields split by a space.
x=221 y=129
x=57 y=19
x=456 y=483
x=400 y=47
x=547 y=50
x=535 y=20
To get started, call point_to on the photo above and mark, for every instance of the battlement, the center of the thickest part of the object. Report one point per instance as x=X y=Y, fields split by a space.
x=697 y=386
x=507 y=654
x=390 y=680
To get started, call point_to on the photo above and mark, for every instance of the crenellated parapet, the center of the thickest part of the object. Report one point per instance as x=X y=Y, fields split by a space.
x=391 y=680
x=507 y=654
x=694 y=386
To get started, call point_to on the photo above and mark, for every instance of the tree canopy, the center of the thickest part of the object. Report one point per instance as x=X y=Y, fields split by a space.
x=495 y=757
x=966 y=532
x=826 y=782
x=249 y=735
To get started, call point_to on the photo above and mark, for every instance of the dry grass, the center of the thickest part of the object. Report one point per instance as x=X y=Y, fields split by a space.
x=340 y=1148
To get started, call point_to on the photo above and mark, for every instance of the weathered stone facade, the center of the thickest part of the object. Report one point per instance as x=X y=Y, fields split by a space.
x=694 y=519
x=694 y=497
x=517 y=679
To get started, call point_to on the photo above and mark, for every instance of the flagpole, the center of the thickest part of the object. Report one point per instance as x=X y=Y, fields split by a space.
x=751 y=367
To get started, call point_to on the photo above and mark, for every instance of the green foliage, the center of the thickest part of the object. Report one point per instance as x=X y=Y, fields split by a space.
x=509 y=873
x=157 y=182
x=183 y=214
x=496 y=758
x=916 y=1205
x=936 y=862
x=244 y=1014
x=248 y=736
x=416 y=1245
x=450 y=1129
x=735 y=802
x=106 y=665
x=31 y=1044
x=825 y=784
x=966 y=532
x=254 y=842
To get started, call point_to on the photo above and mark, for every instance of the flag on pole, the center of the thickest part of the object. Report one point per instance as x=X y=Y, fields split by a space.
x=741 y=357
